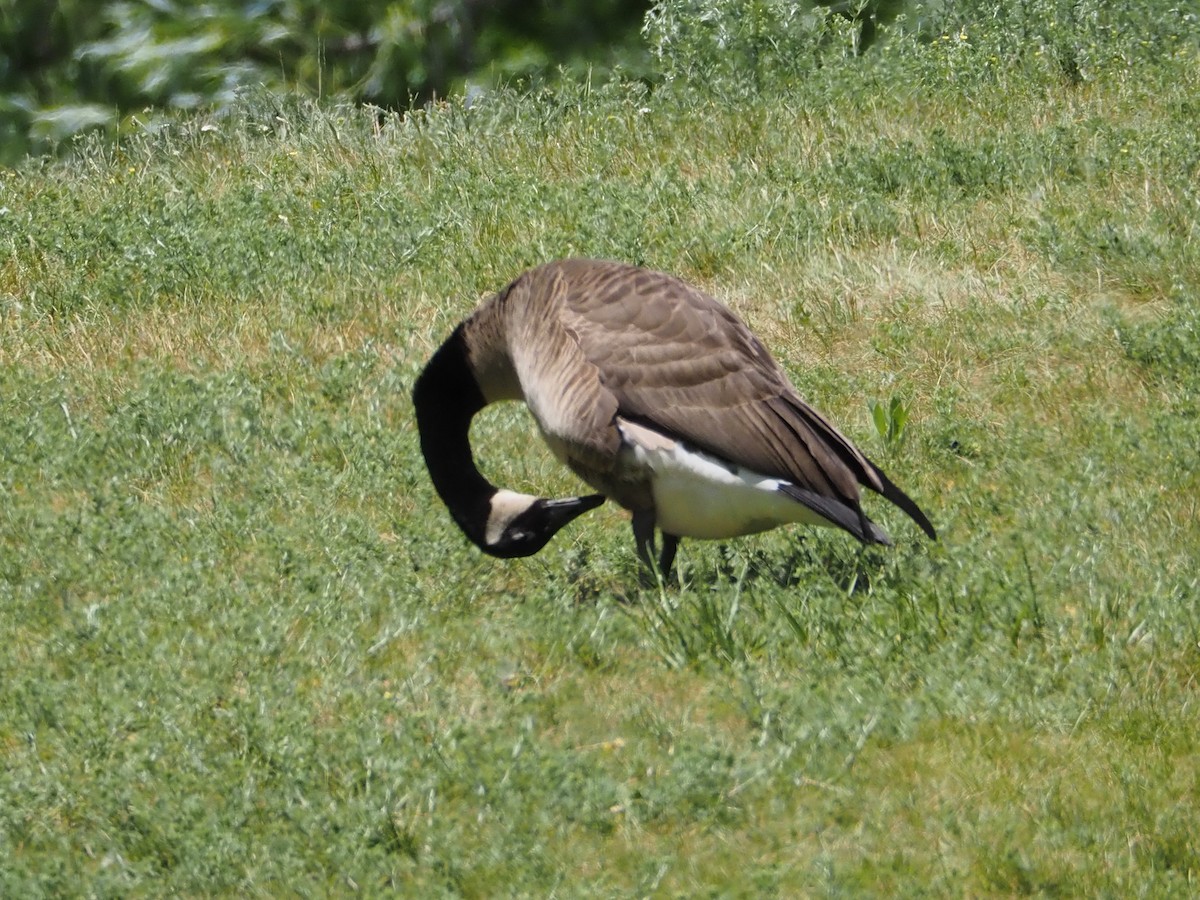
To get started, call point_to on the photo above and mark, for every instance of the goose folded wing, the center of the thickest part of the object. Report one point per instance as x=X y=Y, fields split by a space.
x=677 y=360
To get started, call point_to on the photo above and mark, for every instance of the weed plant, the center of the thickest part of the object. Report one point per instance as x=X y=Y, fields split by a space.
x=245 y=651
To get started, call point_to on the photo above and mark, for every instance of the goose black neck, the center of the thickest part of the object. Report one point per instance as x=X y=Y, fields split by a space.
x=446 y=398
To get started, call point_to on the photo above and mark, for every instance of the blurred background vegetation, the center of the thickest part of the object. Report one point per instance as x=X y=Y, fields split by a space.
x=72 y=66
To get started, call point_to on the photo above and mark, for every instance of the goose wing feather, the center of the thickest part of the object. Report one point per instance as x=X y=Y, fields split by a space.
x=678 y=360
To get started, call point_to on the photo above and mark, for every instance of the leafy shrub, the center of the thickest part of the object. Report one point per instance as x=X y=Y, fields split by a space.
x=741 y=46
x=72 y=66
x=767 y=43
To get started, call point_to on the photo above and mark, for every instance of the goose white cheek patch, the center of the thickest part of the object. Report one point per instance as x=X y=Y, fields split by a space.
x=506 y=506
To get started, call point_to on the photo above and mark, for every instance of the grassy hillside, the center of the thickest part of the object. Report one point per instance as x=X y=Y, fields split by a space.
x=244 y=649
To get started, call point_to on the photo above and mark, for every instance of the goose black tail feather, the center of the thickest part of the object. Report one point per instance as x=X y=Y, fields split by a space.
x=839 y=514
x=905 y=502
x=862 y=468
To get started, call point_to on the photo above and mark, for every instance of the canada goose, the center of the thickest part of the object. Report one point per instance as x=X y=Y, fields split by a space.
x=654 y=394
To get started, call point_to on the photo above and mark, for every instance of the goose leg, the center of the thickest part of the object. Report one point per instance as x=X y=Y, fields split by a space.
x=670 y=545
x=643 y=536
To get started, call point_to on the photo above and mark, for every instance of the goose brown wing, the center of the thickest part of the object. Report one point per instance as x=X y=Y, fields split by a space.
x=677 y=360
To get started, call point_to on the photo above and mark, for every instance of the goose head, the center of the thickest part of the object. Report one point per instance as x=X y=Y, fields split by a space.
x=521 y=525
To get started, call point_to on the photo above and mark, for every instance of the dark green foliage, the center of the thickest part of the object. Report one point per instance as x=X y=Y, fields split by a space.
x=71 y=66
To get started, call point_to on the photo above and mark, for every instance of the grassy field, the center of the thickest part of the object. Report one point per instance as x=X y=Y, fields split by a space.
x=245 y=651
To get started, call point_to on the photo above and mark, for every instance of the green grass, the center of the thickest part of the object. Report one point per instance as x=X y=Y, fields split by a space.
x=246 y=652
